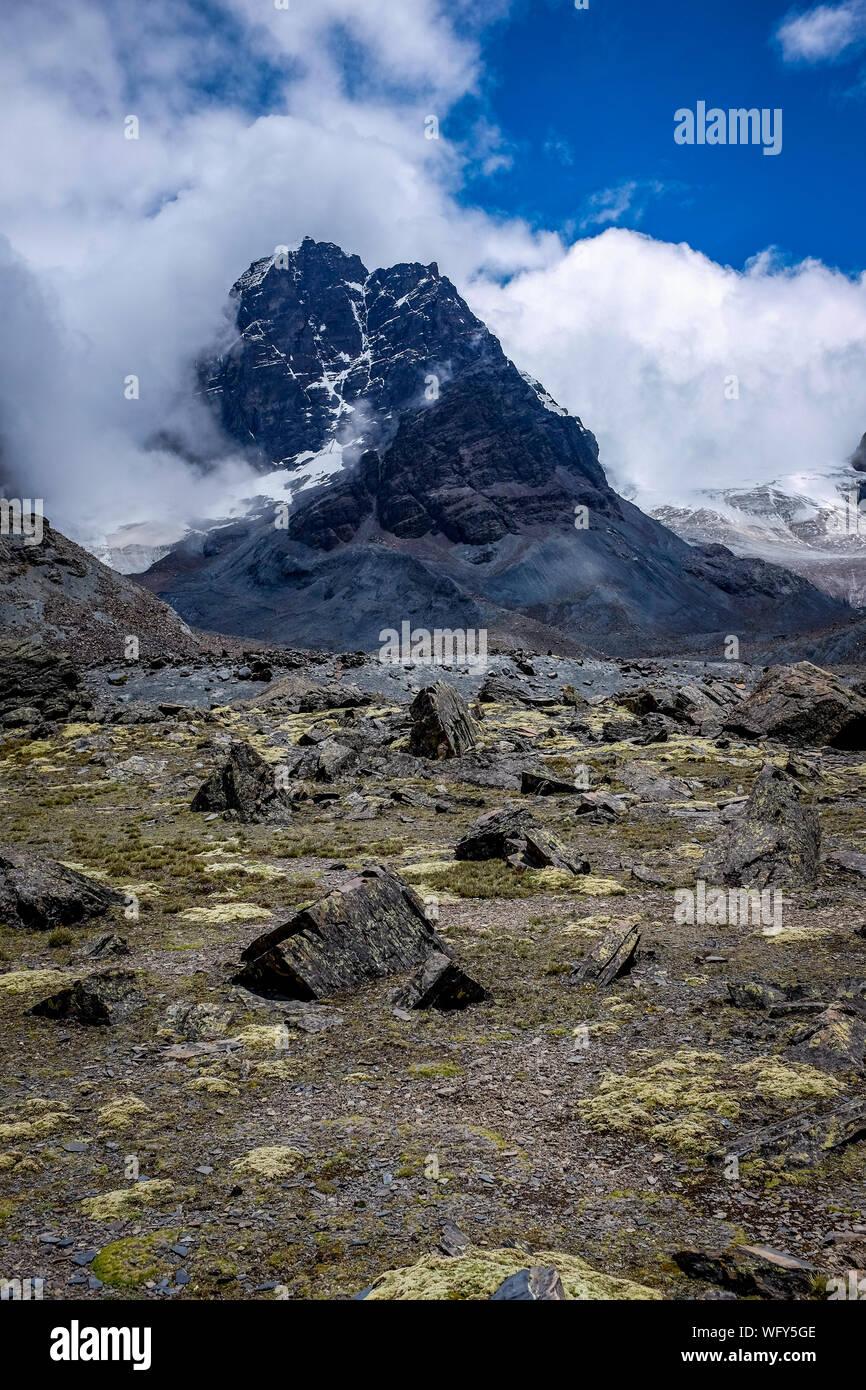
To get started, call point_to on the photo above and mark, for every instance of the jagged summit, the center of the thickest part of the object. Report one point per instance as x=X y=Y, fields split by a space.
x=428 y=473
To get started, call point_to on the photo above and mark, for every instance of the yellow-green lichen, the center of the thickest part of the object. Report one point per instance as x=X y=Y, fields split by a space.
x=275 y=1161
x=478 y=1274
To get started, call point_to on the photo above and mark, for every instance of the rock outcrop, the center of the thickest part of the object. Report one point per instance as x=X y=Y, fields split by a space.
x=246 y=788
x=774 y=842
x=514 y=835
x=39 y=893
x=442 y=726
x=802 y=704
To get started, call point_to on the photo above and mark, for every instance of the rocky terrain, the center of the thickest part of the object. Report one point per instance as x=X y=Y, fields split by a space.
x=409 y=470
x=326 y=979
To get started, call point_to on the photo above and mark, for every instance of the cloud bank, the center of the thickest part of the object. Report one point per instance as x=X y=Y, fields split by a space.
x=259 y=126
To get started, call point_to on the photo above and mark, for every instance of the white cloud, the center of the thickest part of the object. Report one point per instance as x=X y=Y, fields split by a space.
x=822 y=33
x=610 y=205
x=639 y=336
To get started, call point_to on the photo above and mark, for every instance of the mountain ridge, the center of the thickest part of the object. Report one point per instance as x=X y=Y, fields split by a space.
x=454 y=488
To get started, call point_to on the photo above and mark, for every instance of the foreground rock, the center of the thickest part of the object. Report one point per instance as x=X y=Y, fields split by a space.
x=802 y=704
x=802 y=1140
x=774 y=842
x=245 y=788
x=39 y=688
x=373 y=926
x=96 y=1001
x=442 y=726
x=440 y=984
x=538 y=1284
x=513 y=835
x=479 y=1273
x=40 y=894
x=753 y=1271
x=608 y=958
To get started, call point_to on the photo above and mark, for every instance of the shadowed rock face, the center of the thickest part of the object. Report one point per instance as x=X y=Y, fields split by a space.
x=442 y=726
x=774 y=842
x=803 y=705
x=449 y=490
x=38 y=687
x=372 y=927
x=95 y=1002
x=41 y=894
x=244 y=787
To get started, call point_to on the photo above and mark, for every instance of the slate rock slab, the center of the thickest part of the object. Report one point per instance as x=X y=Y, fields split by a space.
x=540 y=1283
x=244 y=787
x=514 y=835
x=440 y=984
x=613 y=955
x=802 y=704
x=442 y=726
x=96 y=1001
x=372 y=926
x=753 y=1271
x=40 y=894
x=774 y=842
x=803 y=1139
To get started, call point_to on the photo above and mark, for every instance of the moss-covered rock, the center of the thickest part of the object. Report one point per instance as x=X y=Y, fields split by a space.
x=274 y=1161
x=478 y=1273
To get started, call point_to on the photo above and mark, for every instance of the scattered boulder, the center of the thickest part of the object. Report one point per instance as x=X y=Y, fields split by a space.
x=440 y=984
x=540 y=1283
x=802 y=704
x=372 y=926
x=452 y=1241
x=774 y=842
x=96 y=1001
x=834 y=1040
x=245 y=788
x=41 y=894
x=613 y=955
x=442 y=726
x=753 y=1271
x=200 y=1022
x=513 y=835
x=540 y=784
x=334 y=760
x=496 y=691
x=111 y=945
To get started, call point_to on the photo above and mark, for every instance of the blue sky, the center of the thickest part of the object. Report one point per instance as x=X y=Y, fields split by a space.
x=585 y=101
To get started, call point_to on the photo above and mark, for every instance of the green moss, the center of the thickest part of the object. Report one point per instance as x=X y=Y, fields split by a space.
x=122 y=1113
x=276 y=1161
x=132 y=1262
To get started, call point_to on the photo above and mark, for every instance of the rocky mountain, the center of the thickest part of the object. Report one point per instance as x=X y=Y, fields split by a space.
x=56 y=593
x=814 y=524
x=428 y=479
